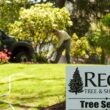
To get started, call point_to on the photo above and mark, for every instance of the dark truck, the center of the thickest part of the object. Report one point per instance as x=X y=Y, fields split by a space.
x=22 y=51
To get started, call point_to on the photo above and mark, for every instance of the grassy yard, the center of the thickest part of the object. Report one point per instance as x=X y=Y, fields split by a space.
x=31 y=85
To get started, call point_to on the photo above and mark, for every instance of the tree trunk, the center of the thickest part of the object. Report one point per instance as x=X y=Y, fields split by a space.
x=60 y=3
x=103 y=57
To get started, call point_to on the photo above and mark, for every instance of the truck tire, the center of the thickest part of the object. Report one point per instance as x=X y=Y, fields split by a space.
x=22 y=57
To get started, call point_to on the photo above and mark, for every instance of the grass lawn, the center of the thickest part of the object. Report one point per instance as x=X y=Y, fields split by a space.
x=31 y=85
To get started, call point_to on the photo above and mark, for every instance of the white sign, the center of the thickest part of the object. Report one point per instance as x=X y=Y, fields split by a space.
x=88 y=88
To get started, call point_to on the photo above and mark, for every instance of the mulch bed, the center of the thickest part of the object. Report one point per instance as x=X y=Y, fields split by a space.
x=59 y=106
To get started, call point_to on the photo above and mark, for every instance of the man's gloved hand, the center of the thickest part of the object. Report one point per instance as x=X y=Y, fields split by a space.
x=49 y=55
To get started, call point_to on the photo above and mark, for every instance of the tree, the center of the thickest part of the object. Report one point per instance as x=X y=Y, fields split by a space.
x=36 y=23
x=76 y=84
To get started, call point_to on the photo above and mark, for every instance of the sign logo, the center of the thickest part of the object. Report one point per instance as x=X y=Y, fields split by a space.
x=76 y=84
x=88 y=88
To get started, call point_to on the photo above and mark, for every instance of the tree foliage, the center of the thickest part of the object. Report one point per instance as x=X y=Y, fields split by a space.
x=80 y=47
x=88 y=11
x=99 y=35
x=36 y=23
x=106 y=20
x=9 y=11
x=83 y=52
